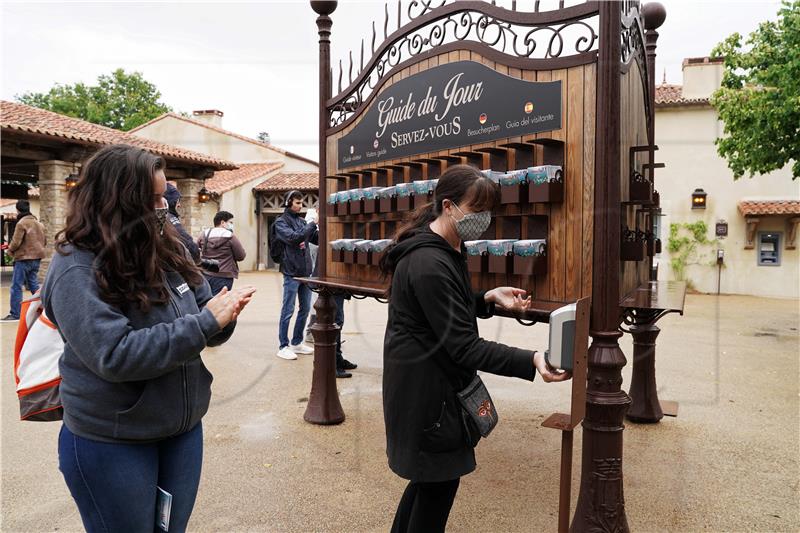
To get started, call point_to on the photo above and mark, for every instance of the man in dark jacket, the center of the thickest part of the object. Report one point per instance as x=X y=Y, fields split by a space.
x=173 y=198
x=221 y=244
x=295 y=233
x=27 y=248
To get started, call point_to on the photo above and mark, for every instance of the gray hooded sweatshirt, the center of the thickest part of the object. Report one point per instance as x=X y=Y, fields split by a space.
x=129 y=376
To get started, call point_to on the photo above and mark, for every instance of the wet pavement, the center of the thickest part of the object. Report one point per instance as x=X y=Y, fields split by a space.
x=728 y=462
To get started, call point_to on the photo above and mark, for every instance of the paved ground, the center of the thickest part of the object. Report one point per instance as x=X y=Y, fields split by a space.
x=729 y=462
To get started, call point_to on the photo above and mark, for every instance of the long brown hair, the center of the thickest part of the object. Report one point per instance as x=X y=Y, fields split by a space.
x=457 y=184
x=111 y=213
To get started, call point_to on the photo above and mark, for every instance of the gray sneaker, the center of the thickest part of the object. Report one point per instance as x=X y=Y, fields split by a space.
x=9 y=318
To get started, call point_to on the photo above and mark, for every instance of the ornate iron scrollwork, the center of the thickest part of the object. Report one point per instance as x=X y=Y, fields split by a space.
x=531 y=41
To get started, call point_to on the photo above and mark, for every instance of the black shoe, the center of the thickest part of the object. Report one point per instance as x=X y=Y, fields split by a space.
x=340 y=373
x=9 y=318
x=344 y=364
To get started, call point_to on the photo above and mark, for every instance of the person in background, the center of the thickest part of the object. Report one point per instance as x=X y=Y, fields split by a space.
x=432 y=349
x=342 y=364
x=220 y=244
x=27 y=249
x=134 y=312
x=173 y=198
x=296 y=233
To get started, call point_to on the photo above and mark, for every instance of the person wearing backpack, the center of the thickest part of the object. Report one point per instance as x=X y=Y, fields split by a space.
x=134 y=313
x=295 y=233
x=219 y=245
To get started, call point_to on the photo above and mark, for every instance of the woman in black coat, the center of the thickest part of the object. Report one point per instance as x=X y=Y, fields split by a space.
x=432 y=348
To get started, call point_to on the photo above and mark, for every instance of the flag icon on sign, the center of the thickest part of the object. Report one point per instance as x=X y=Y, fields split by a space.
x=482 y=118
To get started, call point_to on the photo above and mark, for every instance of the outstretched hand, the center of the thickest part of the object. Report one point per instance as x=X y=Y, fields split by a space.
x=509 y=298
x=548 y=373
x=227 y=305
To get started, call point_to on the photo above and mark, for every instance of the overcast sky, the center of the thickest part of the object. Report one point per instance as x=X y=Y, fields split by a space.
x=257 y=61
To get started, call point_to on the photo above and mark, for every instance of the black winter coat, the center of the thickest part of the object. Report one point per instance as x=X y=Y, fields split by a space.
x=295 y=234
x=432 y=329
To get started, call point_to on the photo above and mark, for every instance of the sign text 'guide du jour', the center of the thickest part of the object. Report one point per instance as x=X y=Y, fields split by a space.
x=449 y=106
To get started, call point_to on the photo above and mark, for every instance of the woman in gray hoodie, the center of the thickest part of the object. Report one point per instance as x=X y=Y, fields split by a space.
x=134 y=313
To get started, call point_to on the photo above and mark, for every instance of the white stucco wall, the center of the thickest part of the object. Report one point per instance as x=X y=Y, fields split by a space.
x=177 y=132
x=242 y=204
x=685 y=137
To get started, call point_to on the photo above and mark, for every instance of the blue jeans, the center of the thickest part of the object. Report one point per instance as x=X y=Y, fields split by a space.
x=114 y=485
x=293 y=289
x=218 y=283
x=25 y=272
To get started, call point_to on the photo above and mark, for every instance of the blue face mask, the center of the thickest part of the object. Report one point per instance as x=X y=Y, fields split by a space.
x=472 y=225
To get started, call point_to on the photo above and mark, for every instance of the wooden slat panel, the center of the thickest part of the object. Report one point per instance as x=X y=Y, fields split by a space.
x=589 y=105
x=557 y=255
x=573 y=193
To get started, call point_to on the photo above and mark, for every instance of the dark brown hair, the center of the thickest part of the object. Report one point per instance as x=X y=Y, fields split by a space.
x=111 y=213
x=464 y=185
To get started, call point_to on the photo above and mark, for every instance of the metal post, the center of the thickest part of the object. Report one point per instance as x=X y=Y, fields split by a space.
x=645 y=406
x=601 y=504
x=323 y=402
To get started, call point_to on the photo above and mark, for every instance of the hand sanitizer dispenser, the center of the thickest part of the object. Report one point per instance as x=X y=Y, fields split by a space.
x=562 y=337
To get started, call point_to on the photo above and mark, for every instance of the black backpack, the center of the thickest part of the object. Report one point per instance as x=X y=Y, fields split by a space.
x=276 y=246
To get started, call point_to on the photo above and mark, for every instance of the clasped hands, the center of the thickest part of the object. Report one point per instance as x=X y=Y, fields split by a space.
x=227 y=304
x=513 y=299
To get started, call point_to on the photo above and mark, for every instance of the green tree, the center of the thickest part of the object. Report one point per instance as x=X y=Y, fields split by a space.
x=120 y=100
x=759 y=98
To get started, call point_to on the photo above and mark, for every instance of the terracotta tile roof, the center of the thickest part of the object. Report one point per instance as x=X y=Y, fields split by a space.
x=225 y=132
x=5 y=202
x=21 y=117
x=769 y=207
x=302 y=181
x=226 y=180
x=668 y=95
x=33 y=192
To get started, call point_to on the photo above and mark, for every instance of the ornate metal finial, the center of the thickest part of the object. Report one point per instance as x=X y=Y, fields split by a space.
x=373 y=37
x=386 y=21
x=654 y=15
x=324 y=7
x=664 y=80
x=399 y=13
x=340 y=75
x=362 y=56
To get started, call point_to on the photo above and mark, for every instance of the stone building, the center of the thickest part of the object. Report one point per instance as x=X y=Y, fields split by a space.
x=254 y=191
x=758 y=216
x=42 y=152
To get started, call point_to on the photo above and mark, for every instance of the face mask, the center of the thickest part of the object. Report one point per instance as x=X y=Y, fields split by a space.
x=161 y=218
x=230 y=226
x=473 y=225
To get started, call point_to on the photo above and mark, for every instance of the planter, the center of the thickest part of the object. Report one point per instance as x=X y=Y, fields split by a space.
x=362 y=258
x=375 y=258
x=404 y=203
x=356 y=207
x=531 y=265
x=419 y=200
x=478 y=264
x=387 y=205
x=500 y=264
x=371 y=206
x=513 y=194
x=549 y=192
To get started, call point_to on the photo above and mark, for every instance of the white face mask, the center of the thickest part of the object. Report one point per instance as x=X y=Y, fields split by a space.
x=229 y=226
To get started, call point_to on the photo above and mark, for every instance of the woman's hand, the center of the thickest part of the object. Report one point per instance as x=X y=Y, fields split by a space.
x=509 y=298
x=227 y=305
x=548 y=373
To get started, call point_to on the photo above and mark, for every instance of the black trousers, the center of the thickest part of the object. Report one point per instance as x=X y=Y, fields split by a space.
x=425 y=507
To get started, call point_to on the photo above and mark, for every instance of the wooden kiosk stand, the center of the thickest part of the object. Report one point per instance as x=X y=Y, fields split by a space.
x=557 y=107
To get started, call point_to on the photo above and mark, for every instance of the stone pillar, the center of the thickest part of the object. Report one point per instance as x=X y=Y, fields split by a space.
x=52 y=202
x=191 y=208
